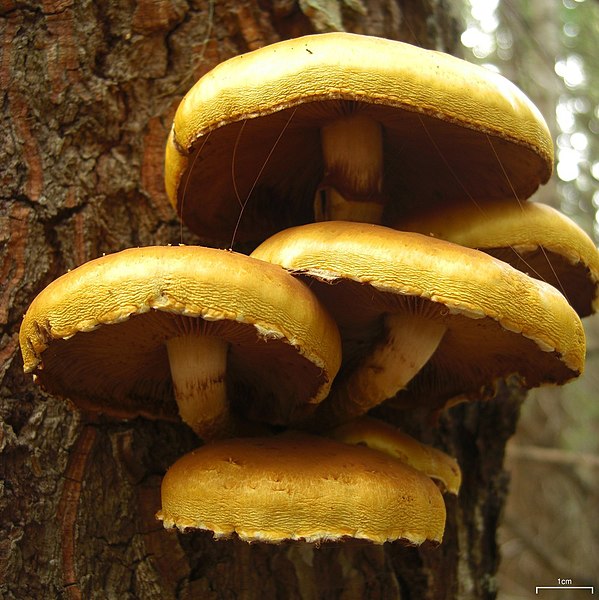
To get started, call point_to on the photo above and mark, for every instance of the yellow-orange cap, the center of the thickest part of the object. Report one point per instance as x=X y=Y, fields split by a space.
x=250 y=130
x=531 y=236
x=499 y=322
x=301 y=487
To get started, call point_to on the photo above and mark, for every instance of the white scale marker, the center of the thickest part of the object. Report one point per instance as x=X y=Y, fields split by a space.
x=565 y=587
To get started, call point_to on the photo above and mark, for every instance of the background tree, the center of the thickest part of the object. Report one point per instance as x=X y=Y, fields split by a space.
x=550 y=526
x=88 y=90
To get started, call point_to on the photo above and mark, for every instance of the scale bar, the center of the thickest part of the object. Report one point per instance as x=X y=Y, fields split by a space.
x=564 y=587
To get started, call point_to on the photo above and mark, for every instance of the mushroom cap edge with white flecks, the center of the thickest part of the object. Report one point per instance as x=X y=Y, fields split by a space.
x=296 y=486
x=499 y=322
x=531 y=236
x=96 y=335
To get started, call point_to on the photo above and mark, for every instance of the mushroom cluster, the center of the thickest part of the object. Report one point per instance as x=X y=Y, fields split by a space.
x=379 y=187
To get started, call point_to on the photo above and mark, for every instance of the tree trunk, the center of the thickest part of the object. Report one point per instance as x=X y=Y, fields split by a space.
x=89 y=90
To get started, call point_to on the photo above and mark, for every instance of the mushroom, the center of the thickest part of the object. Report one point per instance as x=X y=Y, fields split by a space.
x=531 y=236
x=447 y=320
x=381 y=436
x=118 y=333
x=330 y=126
x=296 y=486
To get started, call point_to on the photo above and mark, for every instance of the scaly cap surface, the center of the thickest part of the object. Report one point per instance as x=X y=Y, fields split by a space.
x=377 y=434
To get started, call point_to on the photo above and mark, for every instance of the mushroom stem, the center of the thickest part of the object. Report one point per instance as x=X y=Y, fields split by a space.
x=352 y=149
x=198 y=365
x=409 y=343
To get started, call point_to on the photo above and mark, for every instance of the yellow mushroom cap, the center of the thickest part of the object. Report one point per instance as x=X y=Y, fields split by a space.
x=300 y=487
x=531 y=236
x=499 y=321
x=382 y=436
x=97 y=334
x=448 y=125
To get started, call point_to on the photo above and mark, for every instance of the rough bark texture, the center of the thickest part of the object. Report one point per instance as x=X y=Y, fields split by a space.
x=88 y=93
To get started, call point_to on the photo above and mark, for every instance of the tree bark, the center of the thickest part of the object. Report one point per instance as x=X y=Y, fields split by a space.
x=89 y=90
